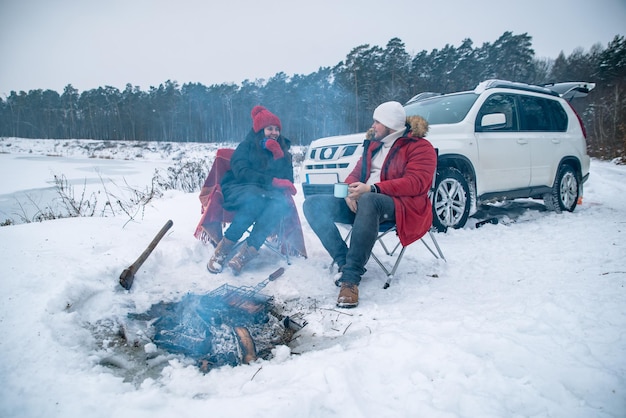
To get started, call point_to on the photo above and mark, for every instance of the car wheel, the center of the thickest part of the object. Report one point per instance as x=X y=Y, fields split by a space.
x=451 y=203
x=565 y=191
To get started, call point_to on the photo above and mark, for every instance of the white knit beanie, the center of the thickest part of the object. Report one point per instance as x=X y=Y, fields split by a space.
x=391 y=114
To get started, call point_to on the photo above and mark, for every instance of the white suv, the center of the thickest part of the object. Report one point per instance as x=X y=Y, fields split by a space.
x=501 y=141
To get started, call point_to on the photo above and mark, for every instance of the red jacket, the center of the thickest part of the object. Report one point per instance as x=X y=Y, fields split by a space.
x=406 y=176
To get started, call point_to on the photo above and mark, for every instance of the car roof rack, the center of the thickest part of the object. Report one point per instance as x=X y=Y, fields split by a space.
x=495 y=83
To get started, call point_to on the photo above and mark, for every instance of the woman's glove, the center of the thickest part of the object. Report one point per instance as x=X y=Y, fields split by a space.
x=284 y=184
x=274 y=147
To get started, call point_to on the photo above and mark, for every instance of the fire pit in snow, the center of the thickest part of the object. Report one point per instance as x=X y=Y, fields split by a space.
x=228 y=326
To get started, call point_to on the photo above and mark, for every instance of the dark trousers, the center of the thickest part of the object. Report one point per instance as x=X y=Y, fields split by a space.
x=259 y=207
x=323 y=211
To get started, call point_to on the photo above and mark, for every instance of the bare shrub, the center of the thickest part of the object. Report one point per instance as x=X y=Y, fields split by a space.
x=187 y=176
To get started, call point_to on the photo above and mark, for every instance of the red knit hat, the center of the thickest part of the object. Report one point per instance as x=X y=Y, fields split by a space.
x=262 y=118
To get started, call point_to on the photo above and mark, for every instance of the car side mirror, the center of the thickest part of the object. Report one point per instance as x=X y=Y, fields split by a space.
x=493 y=121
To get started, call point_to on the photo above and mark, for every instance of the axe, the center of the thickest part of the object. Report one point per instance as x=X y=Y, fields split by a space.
x=128 y=275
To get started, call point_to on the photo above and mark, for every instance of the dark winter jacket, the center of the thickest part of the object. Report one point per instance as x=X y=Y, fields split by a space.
x=252 y=166
x=406 y=176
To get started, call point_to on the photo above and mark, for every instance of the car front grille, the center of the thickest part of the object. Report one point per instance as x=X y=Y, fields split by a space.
x=312 y=189
x=326 y=166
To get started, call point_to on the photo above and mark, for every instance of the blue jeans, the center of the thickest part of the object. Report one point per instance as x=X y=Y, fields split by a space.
x=259 y=207
x=323 y=211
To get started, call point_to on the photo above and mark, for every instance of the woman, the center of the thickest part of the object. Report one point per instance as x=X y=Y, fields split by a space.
x=256 y=189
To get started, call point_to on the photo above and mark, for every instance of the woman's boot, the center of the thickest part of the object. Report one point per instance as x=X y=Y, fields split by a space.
x=216 y=263
x=245 y=254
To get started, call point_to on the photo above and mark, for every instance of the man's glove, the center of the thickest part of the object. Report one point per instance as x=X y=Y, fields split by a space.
x=284 y=184
x=274 y=147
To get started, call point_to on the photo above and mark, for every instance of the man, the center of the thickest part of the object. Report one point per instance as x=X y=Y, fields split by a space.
x=390 y=183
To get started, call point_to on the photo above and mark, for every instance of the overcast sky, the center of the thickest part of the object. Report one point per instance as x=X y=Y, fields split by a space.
x=48 y=44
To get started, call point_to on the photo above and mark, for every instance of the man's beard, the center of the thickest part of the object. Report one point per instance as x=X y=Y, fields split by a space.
x=385 y=133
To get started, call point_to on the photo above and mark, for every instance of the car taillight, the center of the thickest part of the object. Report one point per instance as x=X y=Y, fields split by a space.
x=580 y=121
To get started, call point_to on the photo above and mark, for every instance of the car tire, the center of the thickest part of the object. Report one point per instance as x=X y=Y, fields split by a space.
x=565 y=191
x=451 y=201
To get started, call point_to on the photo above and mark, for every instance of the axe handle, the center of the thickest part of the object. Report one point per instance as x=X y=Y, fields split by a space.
x=276 y=274
x=128 y=275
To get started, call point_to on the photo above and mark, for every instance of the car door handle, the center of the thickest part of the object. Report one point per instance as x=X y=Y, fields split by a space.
x=556 y=141
x=522 y=141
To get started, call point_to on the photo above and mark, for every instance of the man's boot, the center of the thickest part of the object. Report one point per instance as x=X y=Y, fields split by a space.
x=348 y=296
x=243 y=256
x=216 y=263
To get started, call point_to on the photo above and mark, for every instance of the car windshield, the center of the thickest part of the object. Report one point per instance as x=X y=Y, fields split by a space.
x=451 y=108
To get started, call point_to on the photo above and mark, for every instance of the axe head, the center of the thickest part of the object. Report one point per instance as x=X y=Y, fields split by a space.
x=126 y=278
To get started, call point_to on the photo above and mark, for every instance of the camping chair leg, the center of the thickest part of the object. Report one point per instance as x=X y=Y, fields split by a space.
x=432 y=236
x=390 y=273
x=434 y=240
x=277 y=247
x=384 y=246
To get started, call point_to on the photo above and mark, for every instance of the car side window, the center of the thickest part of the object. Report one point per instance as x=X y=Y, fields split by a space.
x=497 y=104
x=540 y=114
x=557 y=115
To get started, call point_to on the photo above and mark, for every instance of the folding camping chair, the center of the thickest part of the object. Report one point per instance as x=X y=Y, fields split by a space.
x=287 y=239
x=389 y=229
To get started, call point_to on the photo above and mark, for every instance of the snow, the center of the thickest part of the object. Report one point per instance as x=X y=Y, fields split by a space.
x=526 y=317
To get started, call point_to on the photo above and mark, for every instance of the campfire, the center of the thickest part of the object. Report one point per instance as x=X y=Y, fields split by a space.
x=228 y=326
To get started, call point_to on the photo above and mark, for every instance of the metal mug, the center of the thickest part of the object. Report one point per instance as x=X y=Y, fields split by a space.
x=341 y=190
